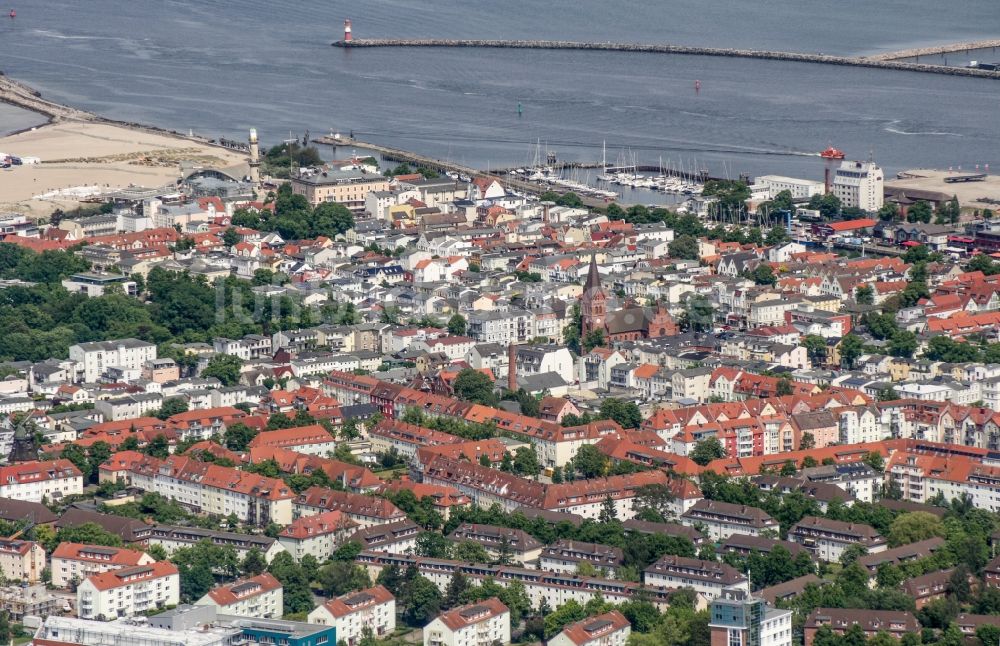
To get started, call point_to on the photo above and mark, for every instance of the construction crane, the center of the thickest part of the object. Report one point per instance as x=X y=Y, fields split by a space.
x=29 y=523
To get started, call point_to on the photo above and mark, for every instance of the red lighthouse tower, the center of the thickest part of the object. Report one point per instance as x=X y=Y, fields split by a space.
x=347 y=30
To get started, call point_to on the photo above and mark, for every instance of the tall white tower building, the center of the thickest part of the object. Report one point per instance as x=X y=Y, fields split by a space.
x=859 y=184
x=254 y=159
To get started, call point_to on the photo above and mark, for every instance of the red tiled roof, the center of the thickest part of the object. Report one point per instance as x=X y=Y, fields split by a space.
x=130 y=575
x=227 y=595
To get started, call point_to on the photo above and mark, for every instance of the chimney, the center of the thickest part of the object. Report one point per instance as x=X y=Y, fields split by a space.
x=545 y=211
x=512 y=367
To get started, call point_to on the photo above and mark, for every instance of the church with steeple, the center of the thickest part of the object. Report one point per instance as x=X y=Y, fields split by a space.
x=628 y=323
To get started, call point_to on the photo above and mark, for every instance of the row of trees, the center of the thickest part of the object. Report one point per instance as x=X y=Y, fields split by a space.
x=295 y=219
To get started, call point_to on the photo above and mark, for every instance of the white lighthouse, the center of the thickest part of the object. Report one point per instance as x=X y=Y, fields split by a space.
x=254 y=159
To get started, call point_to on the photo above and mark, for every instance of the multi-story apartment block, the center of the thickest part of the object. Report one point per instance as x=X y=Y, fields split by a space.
x=213 y=489
x=311 y=440
x=364 y=510
x=128 y=592
x=504 y=328
x=397 y=537
x=554 y=588
x=839 y=620
x=249 y=348
x=723 y=519
x=92 y=359
x=607 y=629
x=129 y=406
x=40 y=481
x=261 y=597
x=318 y=535
x=21 y=560
x=827 y=539
x=709 y=578
x=346 y=187
x=350 y=614
x=859 y=184
x=515 y=544
x=405 y=438
x=74 y=562
x=478 y=624
x=567 y=556
x=173 y=538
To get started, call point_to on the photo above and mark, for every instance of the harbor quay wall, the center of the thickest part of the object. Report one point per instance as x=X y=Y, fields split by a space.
x=883 y=61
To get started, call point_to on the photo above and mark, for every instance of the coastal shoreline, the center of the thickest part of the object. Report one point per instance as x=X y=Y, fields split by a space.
x=84 y=154
x=22 y=95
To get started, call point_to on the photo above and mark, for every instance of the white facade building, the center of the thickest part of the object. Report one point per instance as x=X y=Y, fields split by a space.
x=128 y=592
x=477 y=624
x=92 y=359
x=34 y=481
x=261 y=596
x=350 y=614
x=859 y=184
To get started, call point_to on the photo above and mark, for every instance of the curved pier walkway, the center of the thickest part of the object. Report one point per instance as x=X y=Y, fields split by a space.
x=879 y=62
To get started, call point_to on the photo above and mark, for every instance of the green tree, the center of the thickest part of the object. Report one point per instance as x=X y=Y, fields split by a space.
x=627 y=414
x=816 y=348
x=903 y=344
x=698 y=314
x=919 y=212
x=889 y=212
x=914 y=526
x=230 y=237
x=864 y=295
x=254 y=563
x=776 y=235
x=87 y=534
x=225 y=368
x=526 y=462
x=851 y=349
x=784 y=387
x=158 y=447
x=593 y=339
x=340 y=577
x=589 y=462
x=295 y=581
x=421 y=601
x=457 y=587
x=886 y=393
x=472 y=385
x=172 y=406
x=762 y=274
x=457 y=325
x=237 y=436
x=707 y=450
x=684 y=247
x=470 y=552
x=881 y=326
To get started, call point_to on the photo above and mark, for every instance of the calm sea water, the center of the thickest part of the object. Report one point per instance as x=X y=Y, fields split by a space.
x=219 y=67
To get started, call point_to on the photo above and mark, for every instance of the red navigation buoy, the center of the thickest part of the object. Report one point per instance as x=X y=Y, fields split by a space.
x=697 y=85
x=13 y=14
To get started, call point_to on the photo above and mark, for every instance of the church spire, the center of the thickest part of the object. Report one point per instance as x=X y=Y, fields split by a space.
x=593 y=276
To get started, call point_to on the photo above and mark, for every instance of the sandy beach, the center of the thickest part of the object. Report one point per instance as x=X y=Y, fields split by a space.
x=971 y=195
x=77 y=154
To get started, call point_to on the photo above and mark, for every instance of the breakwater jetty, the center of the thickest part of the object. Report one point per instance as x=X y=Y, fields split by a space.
x=935 y=50
x=883 y=61
x=515 y=183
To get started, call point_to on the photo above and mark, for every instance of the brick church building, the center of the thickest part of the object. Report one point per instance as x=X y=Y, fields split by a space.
x=630 y=323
